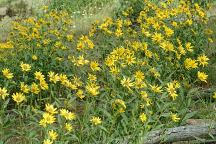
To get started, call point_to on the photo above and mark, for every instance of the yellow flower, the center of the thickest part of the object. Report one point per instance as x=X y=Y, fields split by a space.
x=172 y=90
x=169 y=32
x=114 y=70
x=6 y=73
x=80 y=94
x=190 y=63
x=80 y=61
x=155 y=73
x=143 y=117
x=96 y=120
x=53 y=77
x=24 y=88
x=157 y=37
x=18 y=97
x=202 y=76
x=210 y=40
x=44 y=85
x=189 y=47
x=95 y=66
x=80 y=45
x=167 y=46
x=119 y=105
x=47 y=141
x=6 y=45
x=67 y=114
x=118 y=32
x=35 y=88
x=68 y=127
x=52 y=134
x=156 y=88
x=63 y=78
x=92 y=88
x=77 y=81
x=127 y=82
x=48 y=118
x=39 y=75
x=25 y=67
x=130 y=59
x=175 y=118
x=144 y=94
x=70 y=37
x=34 y=57
x=203 y=60
x=50 y=109
x=139 y=75
x=3 y=93
x=42 y=122
x=92 y=77
x=214 y=95
x=175 y=24
x=140 y=84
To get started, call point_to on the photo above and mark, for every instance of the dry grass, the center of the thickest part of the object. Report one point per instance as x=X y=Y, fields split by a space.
x=83 y=23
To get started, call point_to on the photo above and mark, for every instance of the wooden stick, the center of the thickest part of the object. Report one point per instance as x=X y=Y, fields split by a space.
x=181 y=133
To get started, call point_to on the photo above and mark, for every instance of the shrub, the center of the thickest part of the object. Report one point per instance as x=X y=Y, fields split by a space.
x=127 y=76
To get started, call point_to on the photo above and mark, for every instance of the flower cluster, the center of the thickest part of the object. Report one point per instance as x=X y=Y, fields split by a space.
x=126 y=75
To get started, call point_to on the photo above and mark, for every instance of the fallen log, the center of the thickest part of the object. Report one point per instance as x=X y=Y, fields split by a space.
x=182 y=133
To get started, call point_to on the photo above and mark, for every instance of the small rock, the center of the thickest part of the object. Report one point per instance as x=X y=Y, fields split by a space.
x=3 y=11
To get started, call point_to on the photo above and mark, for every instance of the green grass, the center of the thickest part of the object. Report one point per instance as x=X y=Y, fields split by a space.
x=211 y=52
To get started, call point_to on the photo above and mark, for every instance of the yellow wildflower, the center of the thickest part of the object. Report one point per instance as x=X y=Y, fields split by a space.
x=175 y=118
x=47 y=141
x=34 y=57
x=130 y=59
x=144 y=94
x=171 y=90
x=92 y=77
x=214 y=95
x=190 y=63
x=167 y=46
x=39 y=75
x=3 y=93
x=169 y=32
x=68 y=127
x=48 y=118
x=119 y=105
x=52 y=134
x=157 y=37
x=156 y=88
x=67 y=114
x=95 y=66
x=35 y=88
x=202 y=76
x=44 y=85
x=189 y=47
x=203 y=60
x=143 y=117
x=139 y=75
x=18 y=97
x=92 y=88
x=25 y=67
x=50 y=109
x=127 y=82
x=80 y=94
x=96 y=120
x=53 y=77
x=24 y=88
x=6 y=73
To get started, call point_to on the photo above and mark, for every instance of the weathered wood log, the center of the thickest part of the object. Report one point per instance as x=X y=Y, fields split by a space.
x=182 y=133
